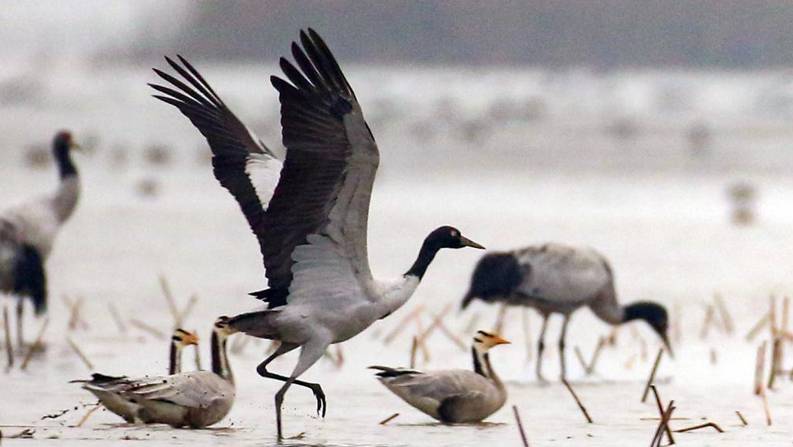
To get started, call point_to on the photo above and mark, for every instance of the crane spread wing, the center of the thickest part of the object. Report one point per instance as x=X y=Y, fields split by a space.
x=314 y=232
x=241 y=163
x=562 y=274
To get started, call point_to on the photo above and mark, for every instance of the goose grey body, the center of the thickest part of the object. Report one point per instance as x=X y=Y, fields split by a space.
x=558 y=278
x=28 y=232
x=308 y=213
x=452 y=396
x=194 y=399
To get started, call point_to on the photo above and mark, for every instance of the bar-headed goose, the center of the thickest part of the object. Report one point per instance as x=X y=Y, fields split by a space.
x=452 y=396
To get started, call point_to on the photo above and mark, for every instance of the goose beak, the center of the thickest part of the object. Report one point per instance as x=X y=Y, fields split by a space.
x=499 y=340
x=191 y=339
x=469 y=243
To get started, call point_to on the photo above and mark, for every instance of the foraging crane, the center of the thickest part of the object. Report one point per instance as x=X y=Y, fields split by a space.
x=28 y=231
x=193 y=399
x=559 y=278
x=312 y=226
x=452 y=396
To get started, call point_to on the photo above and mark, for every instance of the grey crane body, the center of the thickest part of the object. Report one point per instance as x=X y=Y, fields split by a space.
x=193 y=399
x=558 y=278
x=28 y=232
x=309 y=212
x=451 y=396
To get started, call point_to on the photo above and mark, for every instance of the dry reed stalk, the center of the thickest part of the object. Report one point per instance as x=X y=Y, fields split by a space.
x=450 y=335
x=472 y=324
x=758 y=370
x=659 y=431
x=580 y=358
x=187 y=310
x=766 y=409
x=7 y=331
x=785 y=313
x=577 y=400
x=117 y=318
x=596 y=355
x=403 y=324
x=88 y=415
x=436 y=320
x=776 y=361
x=709 y=313
x=413 y=347
x=35 y=344
x=420 y=344
x=701 y=426
x=520 y=426
x=524 y=317
x=651 y=378
x=146 y=328
x=740 y=416
x=661 y=414
x=498 y=327
x=166 y=291
x=724 y=313
x=761 y=323
x=772 y=316
x=79 y=353
x=388 y=419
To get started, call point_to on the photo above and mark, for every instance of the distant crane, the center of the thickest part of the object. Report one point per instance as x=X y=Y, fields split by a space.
x=559 y=278
x=312 y=224
x=28 y=231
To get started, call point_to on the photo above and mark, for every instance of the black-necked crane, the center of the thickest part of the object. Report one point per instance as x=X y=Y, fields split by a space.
x=28 y=232
x=193 y=399
x=455 y=395
x=312 y=226
x=557 y=278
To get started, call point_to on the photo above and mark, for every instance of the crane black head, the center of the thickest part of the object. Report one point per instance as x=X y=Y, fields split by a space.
x=654 y=314
x=442 y=237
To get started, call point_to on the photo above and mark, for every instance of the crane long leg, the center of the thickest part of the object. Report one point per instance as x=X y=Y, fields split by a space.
x=562 y=336
x=309 y=354
x=20 y=314
x=315 y=388
x=541 y=347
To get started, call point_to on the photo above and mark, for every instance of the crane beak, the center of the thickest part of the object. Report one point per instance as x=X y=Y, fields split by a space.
x=668 y=345
x=469 y=243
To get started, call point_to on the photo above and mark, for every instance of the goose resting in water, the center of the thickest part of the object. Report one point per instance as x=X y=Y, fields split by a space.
x=310 y=213
x=452 y=396
x=559 y=278
x=194 y=399
x=28 y=231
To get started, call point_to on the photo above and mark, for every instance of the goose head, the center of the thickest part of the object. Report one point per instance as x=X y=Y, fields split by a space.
x=184 y=338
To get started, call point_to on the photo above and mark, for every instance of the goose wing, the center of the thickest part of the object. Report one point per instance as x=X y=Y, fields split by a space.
x=562 y=274
x=314 y=232
x=241 y=162
x=197 y=389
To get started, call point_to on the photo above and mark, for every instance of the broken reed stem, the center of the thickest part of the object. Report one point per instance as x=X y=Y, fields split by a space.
x=593 y=362
x=117 y=318
x=520 y=426
x=420 y=344
x=88 y=415
x=402 y=324
x=758 y=327
x=661 y=413
x=389 y=419
x=436 y=321
x=580 y=358
x=776 y=360
x=413 y=348
x=577 y=400
x=665 y=416
x=766 y=409
x=651 y=378
x=758 y=369
x=188 y=308
x=166 y=291
x=80 y=354
x=703 y=333
x=498 y=327
x=35 y=344
x=7 y=330
x=450 y=335
x=740 y=416
x=772 y=315
x=724 y=313
x=146 y=328
x=701 y=426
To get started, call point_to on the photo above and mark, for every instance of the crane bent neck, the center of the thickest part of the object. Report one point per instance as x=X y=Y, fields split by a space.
x=423 y=260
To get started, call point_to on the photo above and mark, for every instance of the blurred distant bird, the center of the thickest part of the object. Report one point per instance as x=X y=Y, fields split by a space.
x=559 y=278
x=452 y=396
x=312 y=225
x=28 y=230
x=194 y=399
